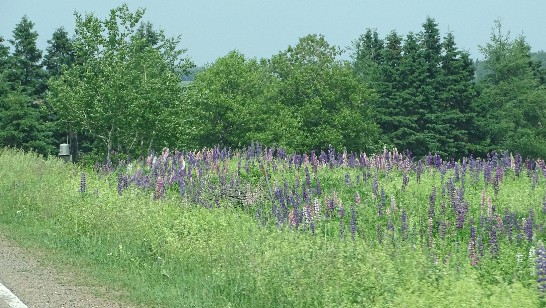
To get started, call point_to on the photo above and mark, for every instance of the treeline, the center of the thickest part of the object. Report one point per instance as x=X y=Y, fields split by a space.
x=119 y=86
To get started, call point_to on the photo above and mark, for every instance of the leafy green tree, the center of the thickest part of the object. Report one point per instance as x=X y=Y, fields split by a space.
x=123 y=91
x=512 y=103
x=321 y=101
x=26 y=73
x=224 y=102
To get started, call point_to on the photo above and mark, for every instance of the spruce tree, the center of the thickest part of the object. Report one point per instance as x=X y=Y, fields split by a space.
x=26 y=72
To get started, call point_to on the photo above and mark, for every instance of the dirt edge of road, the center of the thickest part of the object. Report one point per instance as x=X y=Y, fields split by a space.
x=39 y=283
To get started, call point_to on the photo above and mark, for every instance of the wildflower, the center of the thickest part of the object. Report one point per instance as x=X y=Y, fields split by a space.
x=493 y=244
x=347 y=179
x=404 y=226
x=341 y=221
x=430 y=239
x=528 y=228
x=375 y=186
x=419 y=171
x=472 y=245
x=353 y=222
x=393 y=204
x=541 y=269
x=120 y=183
x=472 y=253
x=405 y=181
x=160 y=188
x=316 y=209
x=82 y=183
x=382 y=204
x=357 y=199
x=432 y=200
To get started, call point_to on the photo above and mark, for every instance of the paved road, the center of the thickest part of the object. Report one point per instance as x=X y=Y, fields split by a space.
x=43 y=286
x=8 y=299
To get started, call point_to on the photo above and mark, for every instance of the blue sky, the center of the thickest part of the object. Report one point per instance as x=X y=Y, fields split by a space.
x=210 y=29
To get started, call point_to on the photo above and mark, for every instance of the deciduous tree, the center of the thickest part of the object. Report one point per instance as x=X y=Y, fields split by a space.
x=124 y=89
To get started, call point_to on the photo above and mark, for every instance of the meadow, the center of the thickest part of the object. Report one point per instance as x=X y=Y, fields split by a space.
x=261 y=227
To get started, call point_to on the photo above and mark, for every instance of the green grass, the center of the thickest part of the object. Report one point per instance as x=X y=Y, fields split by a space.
x=172 y=253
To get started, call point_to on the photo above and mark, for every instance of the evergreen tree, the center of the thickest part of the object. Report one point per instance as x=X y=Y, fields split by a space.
x=21 y=125
x=4 y=62
x=457 y=92
x=512 y=103
x=59 y=53
x=425 y=88
x=26 y=73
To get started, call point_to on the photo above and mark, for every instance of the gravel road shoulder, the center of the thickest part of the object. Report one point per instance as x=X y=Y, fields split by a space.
x=38 y=284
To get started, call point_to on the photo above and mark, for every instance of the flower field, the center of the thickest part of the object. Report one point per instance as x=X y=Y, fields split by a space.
x=264 y=228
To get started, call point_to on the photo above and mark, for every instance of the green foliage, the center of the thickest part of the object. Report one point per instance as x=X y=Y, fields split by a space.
x=325 y=102
x=59 y=54
x=511 y=107
x=123 y=90
x=26 y=73
x=225 y=102
x=301 y=99
x=425 y=87
x=171 y=253
x=22 y=124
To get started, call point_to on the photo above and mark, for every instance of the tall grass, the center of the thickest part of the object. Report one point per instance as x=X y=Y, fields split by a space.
x=201 y=229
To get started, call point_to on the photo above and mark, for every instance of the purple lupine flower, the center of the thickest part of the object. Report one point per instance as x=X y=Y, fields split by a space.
x=182 y=186
x=443 y=229
x=341 y=221
x=307 y=177
x=404 y=224
x=353 y=222
x=405 y=181
x=487 y=173
x=508 y=224
x=375 y=186
x=432 y=202
x=429 y=232
x=528 y=228
x=541 y=269
x=472 y=245
x=82 y=183
x=160 y=188
x=347 y=178
x=382 y=203
x=493 y=244
x=462 y=209
x=535 y=180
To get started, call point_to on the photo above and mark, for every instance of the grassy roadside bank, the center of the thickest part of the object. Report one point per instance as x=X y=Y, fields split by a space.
x=170 y=252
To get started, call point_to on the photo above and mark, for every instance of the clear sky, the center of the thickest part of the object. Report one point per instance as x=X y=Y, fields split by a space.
x=212 y=28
